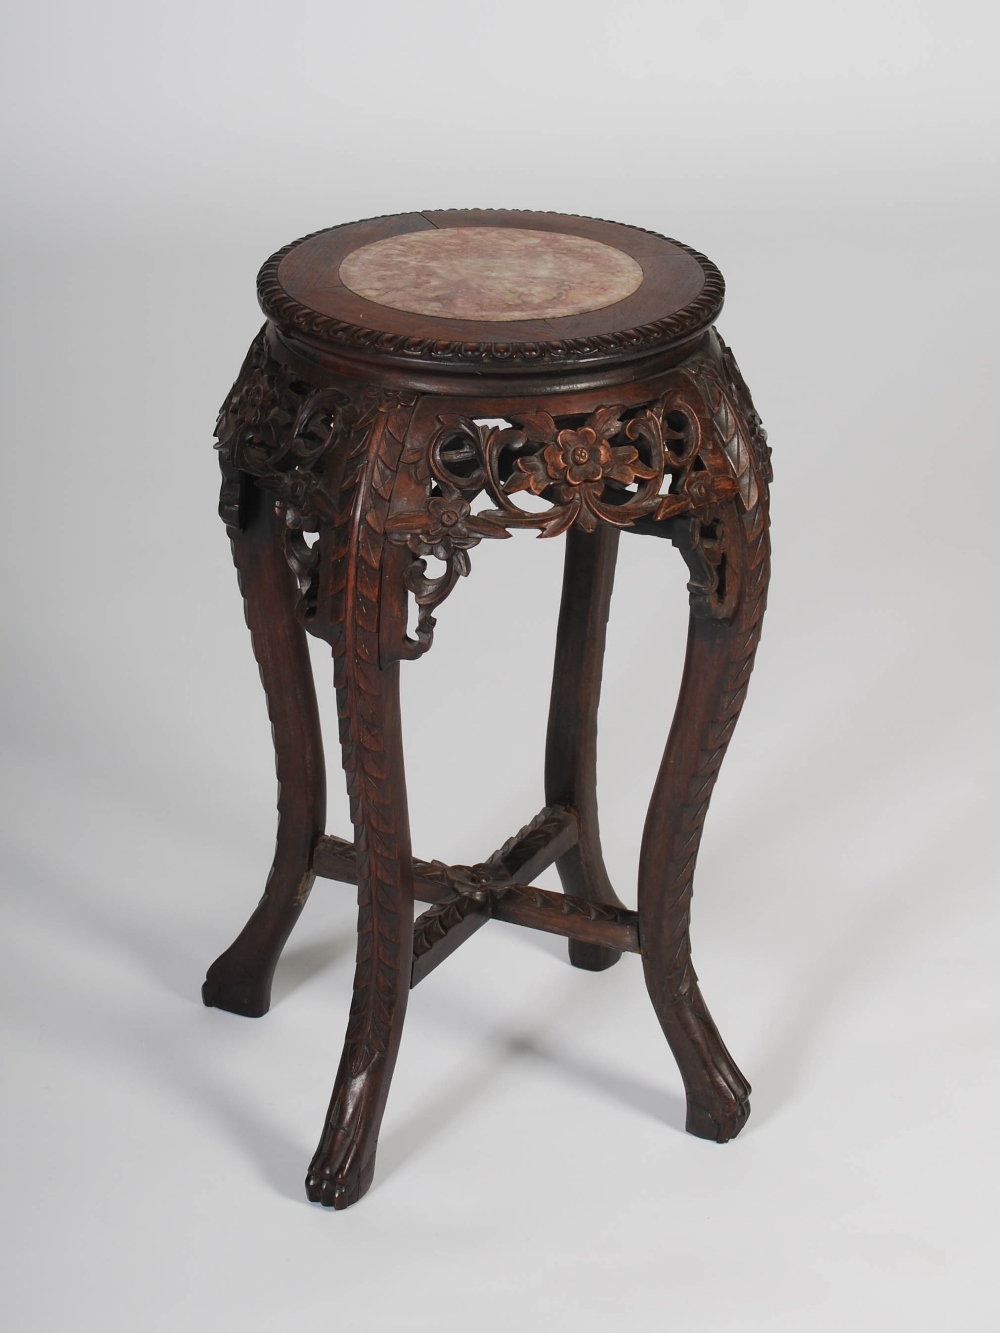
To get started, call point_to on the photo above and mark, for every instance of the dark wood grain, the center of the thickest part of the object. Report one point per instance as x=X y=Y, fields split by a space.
x=681 y=293
x=371 y=741
x=571 y=743
x=604 y=927
x=540 y=909
x=552 y=832
x=353 y=458
x=729 y=563
x=240 y=980
x=438 y=932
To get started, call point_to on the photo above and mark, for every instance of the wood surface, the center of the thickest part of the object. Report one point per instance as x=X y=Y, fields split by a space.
x=571 y=742
x=240 y=980
x=337 y=491
x=513 y=867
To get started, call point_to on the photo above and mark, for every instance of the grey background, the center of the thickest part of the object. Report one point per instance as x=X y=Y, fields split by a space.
x=839 y=163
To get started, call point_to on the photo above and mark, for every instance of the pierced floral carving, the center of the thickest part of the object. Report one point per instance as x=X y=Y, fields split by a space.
x=615 y=465
x=576 y=465
x=683 y=456
x=280 y=430
x=584 y=470
x=451 y=530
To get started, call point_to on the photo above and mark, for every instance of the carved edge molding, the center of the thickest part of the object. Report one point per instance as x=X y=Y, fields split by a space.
x=288 y=313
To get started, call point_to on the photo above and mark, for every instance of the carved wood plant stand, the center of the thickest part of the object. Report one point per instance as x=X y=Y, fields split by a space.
x=360 y=441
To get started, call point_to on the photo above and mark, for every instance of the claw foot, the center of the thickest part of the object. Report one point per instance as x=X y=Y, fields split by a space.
x=333 y=1190
x=718 y=1096
x=344 y=1165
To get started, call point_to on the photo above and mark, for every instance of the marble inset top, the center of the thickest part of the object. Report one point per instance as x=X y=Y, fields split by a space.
x=491 y=273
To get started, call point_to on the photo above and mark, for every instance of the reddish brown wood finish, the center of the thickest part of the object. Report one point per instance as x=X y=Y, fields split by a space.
x=506 y=880
x=240 y=980
x=722 y=639
x=375 y=444
x=300 y=289
x=571 y=744
x=371 y=740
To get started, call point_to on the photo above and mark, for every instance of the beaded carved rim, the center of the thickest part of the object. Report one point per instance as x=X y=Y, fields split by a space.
x=288 y=313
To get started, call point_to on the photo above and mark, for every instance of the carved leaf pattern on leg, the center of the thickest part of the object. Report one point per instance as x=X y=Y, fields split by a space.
x=725 y=629
x=373 y=451
x=748 y=544
x=694 y=459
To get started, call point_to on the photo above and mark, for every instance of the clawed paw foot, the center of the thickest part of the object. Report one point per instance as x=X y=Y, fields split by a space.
x=718 y=1096
x=339 y=1174
x=336 y=1190
x=344 y=1165
x=718 y=1103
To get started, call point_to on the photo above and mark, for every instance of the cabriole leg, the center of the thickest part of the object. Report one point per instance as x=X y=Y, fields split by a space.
x=240 y=980
x=728 y=554
x=571 y=742
x=351 y=603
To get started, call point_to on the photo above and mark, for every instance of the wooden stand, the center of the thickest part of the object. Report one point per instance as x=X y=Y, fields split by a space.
x=354 y=446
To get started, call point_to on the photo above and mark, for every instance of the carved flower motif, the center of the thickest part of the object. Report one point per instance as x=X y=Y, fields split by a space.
x=447 y=515
x=581 y=459
x=249 y=406
x=699 y=488
x=446 y=530
x=578 y=456
x=294 y=488
x=259 y=421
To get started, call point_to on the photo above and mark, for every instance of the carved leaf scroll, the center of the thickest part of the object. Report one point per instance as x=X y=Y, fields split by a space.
x=280 y=430
x=614 y=465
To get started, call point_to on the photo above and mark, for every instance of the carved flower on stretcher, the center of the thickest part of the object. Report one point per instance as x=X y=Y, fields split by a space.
x=577 y=464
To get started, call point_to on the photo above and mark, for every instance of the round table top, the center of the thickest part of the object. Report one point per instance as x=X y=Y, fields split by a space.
x=464 y=288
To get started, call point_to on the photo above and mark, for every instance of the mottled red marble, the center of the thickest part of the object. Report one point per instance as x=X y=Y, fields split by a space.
x=491 y=273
